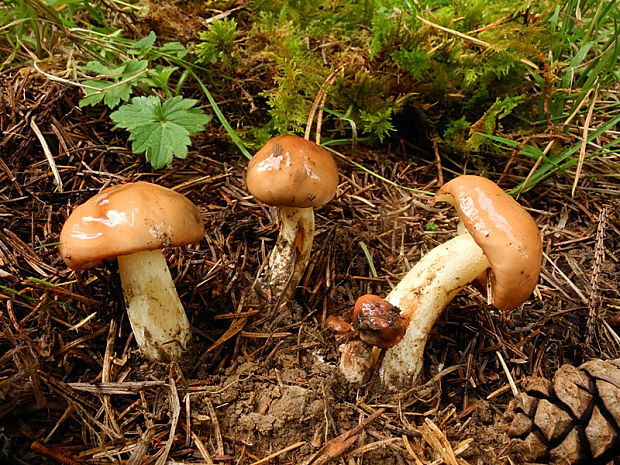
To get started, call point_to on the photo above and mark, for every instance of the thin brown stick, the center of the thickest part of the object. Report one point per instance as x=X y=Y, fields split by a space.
x=127 y=387
x=319 y=117
x=410 y=450
x=58 y=454
x=584 y=141
x=340 y=444
x=594 y=297
x=433 y=435
x=105 y=376
x=175 y=407
x=511 y=381
x=139 y=451
x=60 y=421
x=216 y=428
x=319 y=101
x=471 y=39
x=48 y=154
x=535 y=167
x=280 y=452
x=437 y=160
x=202 y=449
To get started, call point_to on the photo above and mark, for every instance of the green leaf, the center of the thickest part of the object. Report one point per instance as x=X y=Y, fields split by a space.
x=161 y=130
x=113 y=94
x=117 y=87
x=99 y=68
x=93 y=97
x=174 y=49
x=180 y=111
x=132 y=67
x=431 y=226
x=159 y=76
x=125 y=70
x=110 y=93
x=144 y=44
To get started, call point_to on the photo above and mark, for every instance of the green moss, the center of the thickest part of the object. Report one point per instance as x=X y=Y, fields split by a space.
x=388 y=52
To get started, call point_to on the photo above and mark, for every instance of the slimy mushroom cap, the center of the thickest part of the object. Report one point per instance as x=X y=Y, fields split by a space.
x=290 y=171
x=125 y=219
x=505 y=232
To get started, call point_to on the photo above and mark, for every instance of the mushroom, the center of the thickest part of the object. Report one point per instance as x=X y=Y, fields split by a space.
x=499 y=244
x=379 y=323
x=295 y=175
x=133 y=222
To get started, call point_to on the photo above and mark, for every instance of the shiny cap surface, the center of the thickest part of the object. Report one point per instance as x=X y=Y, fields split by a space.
x=290 y=171
x=505 y=232
x=126 y=219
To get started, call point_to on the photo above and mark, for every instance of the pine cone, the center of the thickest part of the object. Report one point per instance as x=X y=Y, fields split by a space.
x=573 y=420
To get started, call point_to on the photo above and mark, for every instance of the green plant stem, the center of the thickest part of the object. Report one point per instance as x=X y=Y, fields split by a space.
x=563 y=161
x=376 y=175
x=220 y=116
x=181 y=81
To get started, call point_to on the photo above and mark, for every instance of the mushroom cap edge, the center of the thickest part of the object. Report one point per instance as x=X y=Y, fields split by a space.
x=506 y=233
x=125 y=219
x=290 y=171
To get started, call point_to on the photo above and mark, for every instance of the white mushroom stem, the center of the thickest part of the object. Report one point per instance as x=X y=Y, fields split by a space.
x=289 y=257
x=157 y=317
x=422 y=295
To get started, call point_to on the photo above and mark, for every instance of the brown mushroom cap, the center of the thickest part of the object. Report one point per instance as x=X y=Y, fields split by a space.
x=290 y=171
x=126 y=219
x=379 y=322
x=504 y=231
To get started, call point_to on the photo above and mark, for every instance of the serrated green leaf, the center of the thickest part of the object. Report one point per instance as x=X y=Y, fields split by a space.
x=125 y=70
x=113 y=94
x=97 y=67
x=180 y=111
x=92 y=100
x=144 y=43
x=133 y=66
x=161 y=140
x=175 y=104
x=115 y=89
x=160 y=130
x=159 y=76
x=138 y=113
x=93 y=97
x=193 y=119
x=140 y=137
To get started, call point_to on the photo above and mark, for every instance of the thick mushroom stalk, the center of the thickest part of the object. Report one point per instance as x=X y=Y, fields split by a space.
x=295 y=175
x=155 y=312
x=420 y=296
x=423 y=294
x=289 y=257
x=500 y=236
x=132 y=223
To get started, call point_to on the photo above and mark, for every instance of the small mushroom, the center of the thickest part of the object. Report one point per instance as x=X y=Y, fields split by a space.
x=297 y=176
x=133 y=222
x=379 y=322
x=500 y=246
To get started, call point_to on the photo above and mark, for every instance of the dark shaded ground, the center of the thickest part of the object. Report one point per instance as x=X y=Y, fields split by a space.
x=272 y=384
